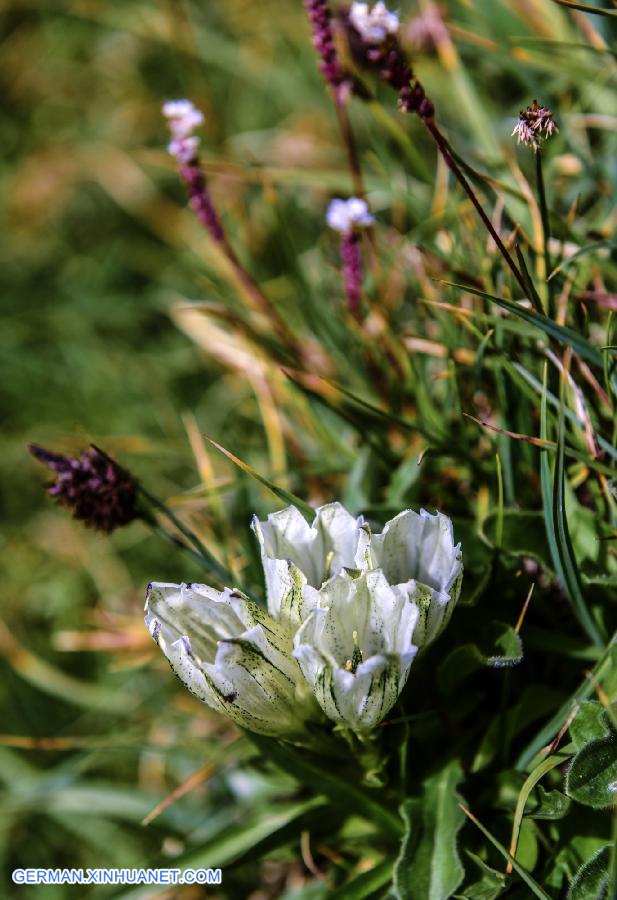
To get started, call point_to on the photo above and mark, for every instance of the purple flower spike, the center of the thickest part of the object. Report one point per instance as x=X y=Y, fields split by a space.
x=349 y=217
x=323 y=41
x=201 y=201
x=99 y=492
x=352 y=270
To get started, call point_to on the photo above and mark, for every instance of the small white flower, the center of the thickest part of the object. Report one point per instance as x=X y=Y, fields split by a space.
x=355 y=649
x=298 y=558
x=345 y=215
x=184 y=150
x=373 y=25
x=231 y=655
x=183 y=118
x=417 y=552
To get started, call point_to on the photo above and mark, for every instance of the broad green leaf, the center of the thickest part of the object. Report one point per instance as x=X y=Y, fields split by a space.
x=545 y=804
x=431 y=869
x=501 y=646
x=592 y=879
x=527 y=850
x=587 y=724
x=592 y=777
x=523 y=535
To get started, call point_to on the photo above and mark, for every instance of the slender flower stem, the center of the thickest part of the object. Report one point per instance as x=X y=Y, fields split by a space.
x=349 y=141
x=202 y=551
x=201 y=201
x=454 y=168
x=546 y=230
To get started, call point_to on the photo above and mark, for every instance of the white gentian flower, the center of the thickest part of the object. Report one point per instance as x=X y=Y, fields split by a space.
x=417 y=552
x=352 y=608
x=355 y=650
x=298 y=558
x=374 y=25
x=346 y=215
x=231 y=655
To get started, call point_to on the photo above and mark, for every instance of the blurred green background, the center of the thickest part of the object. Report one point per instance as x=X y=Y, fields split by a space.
x=97 y=251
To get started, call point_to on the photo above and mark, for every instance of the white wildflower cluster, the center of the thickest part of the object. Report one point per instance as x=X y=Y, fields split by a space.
x=373 y=24
x=347 y=612
x=183 y=118
x=345 y=216
x=534 y=125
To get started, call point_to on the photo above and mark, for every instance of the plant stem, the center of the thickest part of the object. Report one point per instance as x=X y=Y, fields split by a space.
x=201 y=550
x=342 y=114
x=457 y=172
x=546 y=231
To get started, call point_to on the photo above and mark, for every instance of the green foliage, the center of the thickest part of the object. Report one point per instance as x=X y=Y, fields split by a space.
x=592 y=880
x=429 y=865
x=125 y=326
x=592 y=777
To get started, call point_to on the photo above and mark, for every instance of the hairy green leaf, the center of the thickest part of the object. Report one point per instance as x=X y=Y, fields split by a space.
x=592 y=879
x=429 y=868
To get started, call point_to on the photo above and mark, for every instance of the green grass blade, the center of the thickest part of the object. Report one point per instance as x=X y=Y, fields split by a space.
x=584 y=7
x=563 y=334
x=531 y=883
x=563 y=543
x=286 y=496
x=365 y=884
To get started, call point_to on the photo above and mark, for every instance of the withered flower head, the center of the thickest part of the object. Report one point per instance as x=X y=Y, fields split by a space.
x=535 y=124
x=98 y=491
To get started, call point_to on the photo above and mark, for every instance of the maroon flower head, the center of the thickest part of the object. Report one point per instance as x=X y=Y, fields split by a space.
x=98 y=491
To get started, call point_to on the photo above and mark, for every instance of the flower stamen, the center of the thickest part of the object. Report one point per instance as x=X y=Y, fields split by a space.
x=351 y=665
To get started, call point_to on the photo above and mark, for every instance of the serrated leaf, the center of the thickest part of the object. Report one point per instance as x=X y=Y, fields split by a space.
x=592 y=880
x=430 y=868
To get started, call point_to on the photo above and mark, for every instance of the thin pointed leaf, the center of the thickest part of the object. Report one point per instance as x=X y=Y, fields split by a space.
x=531 y=883
x=286 y=496
x=563 y=334
x=585 y=7
x=572 y=581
